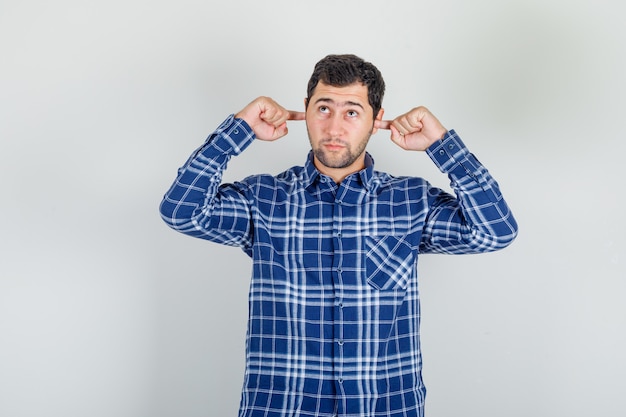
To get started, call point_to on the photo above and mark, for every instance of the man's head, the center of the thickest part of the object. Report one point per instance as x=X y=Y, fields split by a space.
x=344 y=100
x=343 y=70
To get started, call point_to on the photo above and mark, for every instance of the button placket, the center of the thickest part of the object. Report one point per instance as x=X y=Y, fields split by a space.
x=338 y=326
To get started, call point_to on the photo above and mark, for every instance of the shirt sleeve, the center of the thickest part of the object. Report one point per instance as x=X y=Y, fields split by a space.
x=478 y=219
x=197 y=204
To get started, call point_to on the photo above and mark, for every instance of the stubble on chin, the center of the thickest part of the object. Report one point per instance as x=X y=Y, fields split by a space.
x=334 y=161
x=340 y=159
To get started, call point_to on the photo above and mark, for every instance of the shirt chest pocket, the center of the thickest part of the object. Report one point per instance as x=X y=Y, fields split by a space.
x=389 y=262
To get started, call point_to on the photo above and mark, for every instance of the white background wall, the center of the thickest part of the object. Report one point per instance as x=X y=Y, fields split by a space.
x=104 y=311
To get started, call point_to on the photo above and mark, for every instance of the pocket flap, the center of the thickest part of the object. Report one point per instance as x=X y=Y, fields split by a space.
x=389 y=262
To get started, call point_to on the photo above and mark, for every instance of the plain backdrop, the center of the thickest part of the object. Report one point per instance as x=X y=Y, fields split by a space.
x=106 y=312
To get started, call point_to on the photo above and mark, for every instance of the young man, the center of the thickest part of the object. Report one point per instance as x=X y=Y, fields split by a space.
x=334 y=312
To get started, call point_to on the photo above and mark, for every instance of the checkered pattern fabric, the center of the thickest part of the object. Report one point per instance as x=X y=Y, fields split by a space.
x=334 y=311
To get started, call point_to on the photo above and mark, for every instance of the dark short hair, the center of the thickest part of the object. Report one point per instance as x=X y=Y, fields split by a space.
x=343 y=70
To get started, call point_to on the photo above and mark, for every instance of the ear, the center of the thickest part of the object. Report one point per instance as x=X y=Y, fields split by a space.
x=378 y=117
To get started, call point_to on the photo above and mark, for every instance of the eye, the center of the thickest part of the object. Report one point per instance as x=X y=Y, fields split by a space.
x=352 y=113
x=324 y=109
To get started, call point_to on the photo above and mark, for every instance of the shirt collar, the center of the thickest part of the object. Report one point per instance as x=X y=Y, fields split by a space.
x=312 y=175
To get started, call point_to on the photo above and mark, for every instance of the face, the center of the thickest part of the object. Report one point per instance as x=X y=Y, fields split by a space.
x=339 y=122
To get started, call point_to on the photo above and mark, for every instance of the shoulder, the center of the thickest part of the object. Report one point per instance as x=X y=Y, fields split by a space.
x=384 y=180
x=286 y=179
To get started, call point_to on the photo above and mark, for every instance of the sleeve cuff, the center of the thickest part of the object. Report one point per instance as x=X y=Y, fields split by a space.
x=448 y=152
x=232 y=136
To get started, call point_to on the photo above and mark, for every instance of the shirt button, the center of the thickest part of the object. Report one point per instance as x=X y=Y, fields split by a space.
x=442 y=152
x=451 y=146
x=236 y=131
x=340 y=380
x=340 y=342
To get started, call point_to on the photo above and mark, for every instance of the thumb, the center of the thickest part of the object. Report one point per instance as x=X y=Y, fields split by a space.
x=396 y=136
x=280 y=131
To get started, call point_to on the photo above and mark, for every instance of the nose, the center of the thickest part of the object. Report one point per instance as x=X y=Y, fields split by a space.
x=335 y=126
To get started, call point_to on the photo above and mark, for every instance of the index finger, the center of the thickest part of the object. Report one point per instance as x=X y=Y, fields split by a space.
x=383 y=124
x=295 y=115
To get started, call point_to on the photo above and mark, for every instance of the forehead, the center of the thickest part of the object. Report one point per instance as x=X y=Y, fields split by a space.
x=355 y=93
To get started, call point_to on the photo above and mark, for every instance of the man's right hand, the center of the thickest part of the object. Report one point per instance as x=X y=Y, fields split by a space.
x=267 y=118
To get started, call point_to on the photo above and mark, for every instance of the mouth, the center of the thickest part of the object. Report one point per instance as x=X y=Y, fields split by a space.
x=333 y=145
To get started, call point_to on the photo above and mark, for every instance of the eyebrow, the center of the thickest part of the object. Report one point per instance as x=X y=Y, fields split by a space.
x=341 y=104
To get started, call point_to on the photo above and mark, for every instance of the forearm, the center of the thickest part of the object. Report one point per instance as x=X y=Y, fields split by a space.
x=479 y=219
x=189 y=204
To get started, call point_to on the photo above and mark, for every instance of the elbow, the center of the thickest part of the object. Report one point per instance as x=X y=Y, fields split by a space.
x=504 y=241
x=505 y=233
x=182 y=217
x=170 y=214
x=498 y=235
x=479 y=242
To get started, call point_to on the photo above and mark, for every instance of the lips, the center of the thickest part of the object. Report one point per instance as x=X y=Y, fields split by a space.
x=333 y=145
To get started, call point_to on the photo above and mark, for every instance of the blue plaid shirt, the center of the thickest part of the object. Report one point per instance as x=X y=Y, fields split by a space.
x=334 y=311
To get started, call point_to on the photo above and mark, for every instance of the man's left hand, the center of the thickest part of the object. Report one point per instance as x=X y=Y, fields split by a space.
x=415 y=130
